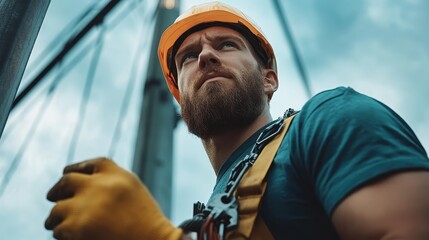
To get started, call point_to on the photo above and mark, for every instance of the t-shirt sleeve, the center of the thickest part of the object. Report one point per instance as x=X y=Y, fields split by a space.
x=348 y=139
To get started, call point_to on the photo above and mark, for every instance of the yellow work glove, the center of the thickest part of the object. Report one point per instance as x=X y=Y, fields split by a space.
x=98 y=200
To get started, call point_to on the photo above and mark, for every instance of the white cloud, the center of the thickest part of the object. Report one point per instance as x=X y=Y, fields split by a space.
x=401 y=15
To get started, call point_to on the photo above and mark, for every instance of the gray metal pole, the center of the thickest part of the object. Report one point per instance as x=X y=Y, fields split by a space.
x=154 y=145
x=20 y=22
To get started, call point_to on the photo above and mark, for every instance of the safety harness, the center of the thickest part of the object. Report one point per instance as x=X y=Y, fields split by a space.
x=234 y=213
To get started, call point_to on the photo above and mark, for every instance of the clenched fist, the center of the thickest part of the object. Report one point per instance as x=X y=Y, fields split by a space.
x=96 y=199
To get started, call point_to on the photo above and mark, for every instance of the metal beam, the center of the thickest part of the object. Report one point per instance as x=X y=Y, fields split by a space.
x=154 y=145
x=96 y=20
x=20 y=22
x=295 y=53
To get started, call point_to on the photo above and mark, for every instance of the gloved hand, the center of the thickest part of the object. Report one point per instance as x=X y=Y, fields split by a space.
x=96 y=199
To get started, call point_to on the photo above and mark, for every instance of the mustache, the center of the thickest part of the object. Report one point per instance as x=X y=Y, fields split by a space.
x=216 y=71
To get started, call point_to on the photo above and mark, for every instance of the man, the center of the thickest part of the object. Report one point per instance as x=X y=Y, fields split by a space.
x=348 y=167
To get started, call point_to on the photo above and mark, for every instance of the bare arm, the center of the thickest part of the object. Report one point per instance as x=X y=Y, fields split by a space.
x=394 y=207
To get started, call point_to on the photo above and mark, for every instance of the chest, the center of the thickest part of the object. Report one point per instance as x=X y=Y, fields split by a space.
x=289 y=206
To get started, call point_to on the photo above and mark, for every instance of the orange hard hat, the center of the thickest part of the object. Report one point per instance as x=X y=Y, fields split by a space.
x=216 y=13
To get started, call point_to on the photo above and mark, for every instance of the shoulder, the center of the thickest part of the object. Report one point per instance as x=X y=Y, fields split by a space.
x=343 y=139
x=343 y=101
x=345 y=112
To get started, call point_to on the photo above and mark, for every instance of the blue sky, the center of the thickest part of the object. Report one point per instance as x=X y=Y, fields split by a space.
x=378 y=47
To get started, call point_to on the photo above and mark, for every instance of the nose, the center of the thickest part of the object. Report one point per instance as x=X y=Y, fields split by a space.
x=208 y=56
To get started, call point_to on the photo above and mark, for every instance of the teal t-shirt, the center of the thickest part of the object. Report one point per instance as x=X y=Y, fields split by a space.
x=339 y=141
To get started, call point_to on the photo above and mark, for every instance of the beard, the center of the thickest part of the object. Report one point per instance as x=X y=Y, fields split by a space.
x=222 y=109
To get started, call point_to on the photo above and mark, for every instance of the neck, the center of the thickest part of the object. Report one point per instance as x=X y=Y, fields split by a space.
x=221 y=146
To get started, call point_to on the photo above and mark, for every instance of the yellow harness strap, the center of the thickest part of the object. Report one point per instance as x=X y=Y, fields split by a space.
x=251 y=189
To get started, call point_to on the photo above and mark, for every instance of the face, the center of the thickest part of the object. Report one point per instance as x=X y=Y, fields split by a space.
x=220 y=82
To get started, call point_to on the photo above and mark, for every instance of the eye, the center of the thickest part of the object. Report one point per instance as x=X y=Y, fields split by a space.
x=228 y=44
x=188 y=56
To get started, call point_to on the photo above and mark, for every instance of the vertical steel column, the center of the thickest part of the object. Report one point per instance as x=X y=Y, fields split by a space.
x=20 y=22
x=154 y=144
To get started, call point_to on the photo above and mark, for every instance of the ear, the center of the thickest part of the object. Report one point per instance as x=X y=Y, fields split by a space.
x=271 y=83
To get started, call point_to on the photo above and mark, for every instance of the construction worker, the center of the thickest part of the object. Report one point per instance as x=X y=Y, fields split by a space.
x=348 y=167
